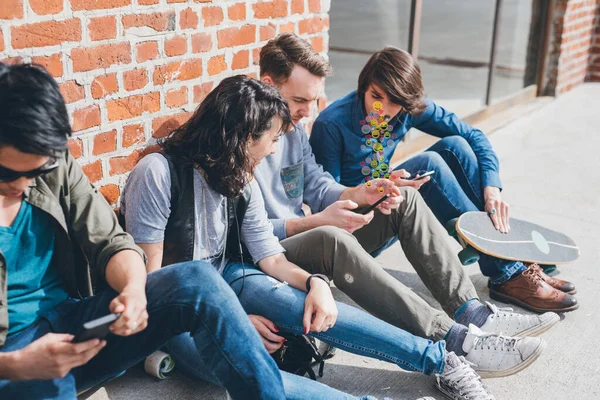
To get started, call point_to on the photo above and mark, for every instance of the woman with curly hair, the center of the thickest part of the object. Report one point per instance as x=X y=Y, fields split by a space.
x=197 y=200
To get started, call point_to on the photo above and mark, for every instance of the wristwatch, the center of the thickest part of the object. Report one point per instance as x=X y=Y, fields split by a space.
x=320 y=276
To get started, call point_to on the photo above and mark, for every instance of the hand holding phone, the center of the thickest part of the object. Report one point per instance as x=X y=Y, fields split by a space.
x=370 y=208
x=419 y=177
x=95 y=329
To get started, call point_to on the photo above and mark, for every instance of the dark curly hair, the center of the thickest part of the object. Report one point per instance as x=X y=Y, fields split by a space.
x=216 y=137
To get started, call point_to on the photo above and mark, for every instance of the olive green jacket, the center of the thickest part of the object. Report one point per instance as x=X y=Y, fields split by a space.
x=86 y=230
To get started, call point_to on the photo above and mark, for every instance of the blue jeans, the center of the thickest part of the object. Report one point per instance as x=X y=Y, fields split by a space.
x=187 y=297
x=454 y=189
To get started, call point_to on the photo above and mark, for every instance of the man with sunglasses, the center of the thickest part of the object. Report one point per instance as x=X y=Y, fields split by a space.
x=53 y=223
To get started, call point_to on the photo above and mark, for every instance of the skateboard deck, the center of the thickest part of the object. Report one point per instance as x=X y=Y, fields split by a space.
x=526 y=241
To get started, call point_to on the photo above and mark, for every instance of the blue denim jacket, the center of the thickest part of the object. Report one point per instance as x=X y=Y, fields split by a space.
x=336 y=139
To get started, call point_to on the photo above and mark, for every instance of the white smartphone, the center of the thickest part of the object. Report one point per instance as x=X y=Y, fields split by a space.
x=416 y=178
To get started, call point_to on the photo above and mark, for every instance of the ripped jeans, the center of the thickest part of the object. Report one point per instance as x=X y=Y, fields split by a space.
x=355 y=331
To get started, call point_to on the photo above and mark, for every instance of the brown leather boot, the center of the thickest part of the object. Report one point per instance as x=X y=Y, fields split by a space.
x=559 y=284
x=530 y=291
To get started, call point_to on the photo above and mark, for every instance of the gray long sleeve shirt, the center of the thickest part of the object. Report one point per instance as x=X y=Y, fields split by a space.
x=291 y=177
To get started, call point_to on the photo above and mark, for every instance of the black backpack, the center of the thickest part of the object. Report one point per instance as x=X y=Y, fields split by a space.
x=301 y=353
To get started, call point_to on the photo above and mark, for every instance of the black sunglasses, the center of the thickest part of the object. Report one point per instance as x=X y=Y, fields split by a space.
x=8 y=175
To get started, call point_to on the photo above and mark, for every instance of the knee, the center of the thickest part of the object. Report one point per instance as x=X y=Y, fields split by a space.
x=193 y=280
x=430 y=160
x=456 y=144
x=332 y=235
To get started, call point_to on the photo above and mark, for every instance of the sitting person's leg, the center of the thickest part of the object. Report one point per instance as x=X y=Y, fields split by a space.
x=188 y=297
x=451 y=192
x=363 y=334
x=187 y=358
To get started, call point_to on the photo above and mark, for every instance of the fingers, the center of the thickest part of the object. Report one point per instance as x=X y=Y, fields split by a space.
x=55 y=337
x=348 y=204
x=498 y=212
x=87 y=355
x=266 y=333
x=270 y=346
x=307 y=318
x=505 y=208
x=400 y=173
x=318 y=324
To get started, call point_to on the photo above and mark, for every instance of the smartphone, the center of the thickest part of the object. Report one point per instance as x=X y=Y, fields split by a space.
x=416 y=178
x=367 y=210
x=96 y=329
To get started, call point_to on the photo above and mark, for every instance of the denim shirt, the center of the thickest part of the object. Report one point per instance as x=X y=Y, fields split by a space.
x=86 y=229
x=338 y=142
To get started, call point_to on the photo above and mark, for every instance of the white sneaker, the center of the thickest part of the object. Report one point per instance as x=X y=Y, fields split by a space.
x=513 y=324
x=495 y=355
x=460 y=382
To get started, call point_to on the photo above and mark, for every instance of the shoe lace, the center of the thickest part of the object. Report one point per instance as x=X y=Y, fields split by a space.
x=533 y=273
x=495 y=340
x=466 y=381
x=499 y=312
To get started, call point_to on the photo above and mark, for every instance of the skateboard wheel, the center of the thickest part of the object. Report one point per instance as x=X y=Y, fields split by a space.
x=451 y=226
x=468 y=256
x=548 y=269
x=158 y=364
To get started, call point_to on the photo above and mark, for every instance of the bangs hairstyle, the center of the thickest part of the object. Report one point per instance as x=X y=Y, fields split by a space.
x=33 y=114
x=279 y=56
x=217 y=136
x=395 y=72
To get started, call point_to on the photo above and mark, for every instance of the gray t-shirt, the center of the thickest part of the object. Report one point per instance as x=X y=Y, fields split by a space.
x=146 y=204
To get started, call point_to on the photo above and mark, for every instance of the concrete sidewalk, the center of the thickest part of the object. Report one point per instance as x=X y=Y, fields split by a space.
x=551 y=175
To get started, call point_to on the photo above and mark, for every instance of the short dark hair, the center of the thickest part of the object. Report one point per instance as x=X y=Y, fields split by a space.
x=216 y=137
x=279 y=56
x=397 y=73
x=33 y=114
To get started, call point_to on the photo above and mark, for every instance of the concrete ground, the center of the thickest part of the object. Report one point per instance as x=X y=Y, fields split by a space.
x=550 y=170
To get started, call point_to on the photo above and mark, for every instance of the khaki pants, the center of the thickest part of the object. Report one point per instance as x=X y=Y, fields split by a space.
x=345 y=258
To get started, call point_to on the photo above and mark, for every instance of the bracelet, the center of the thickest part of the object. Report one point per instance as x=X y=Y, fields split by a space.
x=320 y=276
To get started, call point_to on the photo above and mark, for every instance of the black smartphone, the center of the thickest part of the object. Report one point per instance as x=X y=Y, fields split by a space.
x=367 y=210
x=416 y=178
x=95 y=329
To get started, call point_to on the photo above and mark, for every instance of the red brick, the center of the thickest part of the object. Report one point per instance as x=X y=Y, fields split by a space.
x=176 y=97
x=313 y=25
x=12 y=60
x=136 y=79
x=236 y=36
x=10 y=9
x=49 y=33
x=297 y=6
x=105 y=142
x=270 y=9
x=178 y=70
x=103 y=28
x=52 y=63
x=216 y=65
x=240 y=59
x=289 y=27
x=237 y=12
x=148 y=2
x=75 y=147
x=159 y=21
x=120 y=165
x=212 y=16
x=317 y=43
x=133 y=134
x=93 y=171
x=314 y=6
x=132 y=106
x=201 y=42
x=201 y=91
x=146 y=51
x=103 y=56
x=104 y=85
x=85 y=118
x=175 y=46
x=180 y=1
x=267 y=32
x=78 y=5
x=162 y=126
x=45 y=7
x=111 y=193
x=71 y=91
x=188 y=19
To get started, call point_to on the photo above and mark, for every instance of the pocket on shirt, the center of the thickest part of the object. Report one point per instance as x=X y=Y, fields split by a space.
x=292 y=178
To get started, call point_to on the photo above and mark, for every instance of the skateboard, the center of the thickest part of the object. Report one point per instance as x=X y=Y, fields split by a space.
x=526 y=241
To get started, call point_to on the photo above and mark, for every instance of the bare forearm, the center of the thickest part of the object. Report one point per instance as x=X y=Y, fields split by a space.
x=8 y=365
x=298 y=225
x=280 y=268
x=355 y=194
x=126 y=268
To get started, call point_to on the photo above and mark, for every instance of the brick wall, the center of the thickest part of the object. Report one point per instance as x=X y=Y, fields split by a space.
x=574 y=50
x=132 y=70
